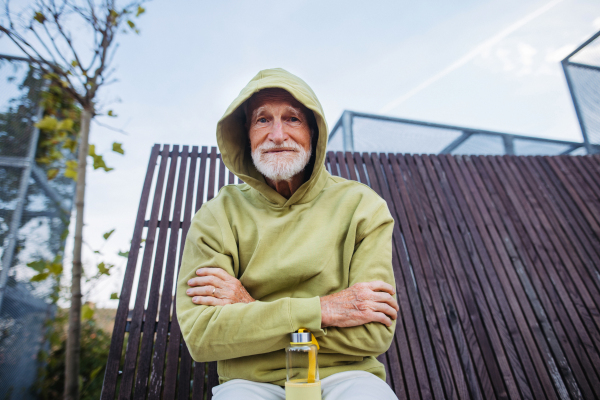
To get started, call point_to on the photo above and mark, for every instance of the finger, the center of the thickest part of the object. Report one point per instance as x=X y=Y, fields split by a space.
x=386 y=309
x=218 y=272
x=381 y=318
x=200 y=291
x=210 y=301
x=386 y=298
x=206 y=281
x=380 y=286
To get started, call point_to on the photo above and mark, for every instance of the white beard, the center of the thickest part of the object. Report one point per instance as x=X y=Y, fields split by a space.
x=280 y=166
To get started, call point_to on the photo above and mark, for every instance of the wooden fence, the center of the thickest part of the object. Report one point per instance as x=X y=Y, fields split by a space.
x=496 y=261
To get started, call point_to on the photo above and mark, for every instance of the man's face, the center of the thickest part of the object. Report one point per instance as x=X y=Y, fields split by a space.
x=279 y=132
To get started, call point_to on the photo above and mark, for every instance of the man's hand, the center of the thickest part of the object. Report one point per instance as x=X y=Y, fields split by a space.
x=215 y=287
x=360 y=304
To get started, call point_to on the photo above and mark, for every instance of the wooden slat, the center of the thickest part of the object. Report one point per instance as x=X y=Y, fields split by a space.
x=464 y=319
x=501 y=374
x=351 y=168
x=426 y=366
x=534 y=268
x=221 y=173
x=185 y=374
x=116 y=345
x=198 y=385
x=138 y=310
x=522 y=299
x=210 y=192
x=460 y=360
x=496 y=261
x=175 y=339
x=434 y=308
x=145 y=357
x=164 y=318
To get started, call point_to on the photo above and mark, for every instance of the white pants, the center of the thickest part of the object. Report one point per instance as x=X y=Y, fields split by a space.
x=349 y=385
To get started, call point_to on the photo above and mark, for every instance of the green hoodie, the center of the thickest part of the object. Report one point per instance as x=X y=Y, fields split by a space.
x=330 y=234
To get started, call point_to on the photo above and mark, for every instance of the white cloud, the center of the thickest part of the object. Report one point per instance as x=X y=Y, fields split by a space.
x=596 y=23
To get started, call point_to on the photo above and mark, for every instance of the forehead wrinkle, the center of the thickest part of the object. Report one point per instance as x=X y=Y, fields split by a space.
x=288 y=108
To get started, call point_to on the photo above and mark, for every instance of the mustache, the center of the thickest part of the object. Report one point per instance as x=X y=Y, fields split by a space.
x=268 y=146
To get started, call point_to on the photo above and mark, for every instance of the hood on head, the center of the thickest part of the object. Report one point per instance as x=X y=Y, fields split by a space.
x=232 y=135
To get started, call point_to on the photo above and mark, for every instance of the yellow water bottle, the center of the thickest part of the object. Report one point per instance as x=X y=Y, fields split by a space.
x=302 y=368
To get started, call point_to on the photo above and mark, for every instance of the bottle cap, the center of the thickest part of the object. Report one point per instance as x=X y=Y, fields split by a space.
x=303 y=336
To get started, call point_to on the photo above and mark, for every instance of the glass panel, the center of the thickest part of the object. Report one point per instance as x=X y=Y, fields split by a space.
x=336 y=140
x=586 y=93
x=481 y=144
x=373 y=135
x=538 y=147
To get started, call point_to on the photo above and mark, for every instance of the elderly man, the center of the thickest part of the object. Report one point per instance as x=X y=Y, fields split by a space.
x=293 y=247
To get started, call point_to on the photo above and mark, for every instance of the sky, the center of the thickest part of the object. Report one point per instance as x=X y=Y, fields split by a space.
x=488 y=64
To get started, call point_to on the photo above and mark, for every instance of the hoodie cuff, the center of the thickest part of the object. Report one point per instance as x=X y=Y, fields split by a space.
x=306 y=313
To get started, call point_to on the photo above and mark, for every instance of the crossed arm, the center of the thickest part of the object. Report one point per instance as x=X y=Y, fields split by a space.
x=357 y=305
x=219 y=318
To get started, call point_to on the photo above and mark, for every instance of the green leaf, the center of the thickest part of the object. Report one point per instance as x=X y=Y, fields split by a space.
x=104 y=269
x=111 y=113
x=140 y=11
x=64 y=234
x=92 y=150
x=95 y=372
x=51 y=173
x=39 y=17
x=65 y=125
x=97 y=252
x=107 y=234
x=70 y=144
x=71 y=171
x=40 y=277
x=87 y=312
x=74 y=63
x=114 y=296
x=55 y=269
x=124 y=254
x=38 y=265
x=47 y=123
x=117 y=148
x=131 y=24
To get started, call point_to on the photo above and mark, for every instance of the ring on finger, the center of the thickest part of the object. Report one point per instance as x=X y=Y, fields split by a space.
x=213 y=292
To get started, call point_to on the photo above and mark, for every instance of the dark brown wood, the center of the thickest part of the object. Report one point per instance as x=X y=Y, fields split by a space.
x=116 y=345
x=496 y=261
x=427 y=371
x=175 y=339
x=148 y=330
x=539 y=277
x=198 y=389
x=164 y=317
x=135 y=327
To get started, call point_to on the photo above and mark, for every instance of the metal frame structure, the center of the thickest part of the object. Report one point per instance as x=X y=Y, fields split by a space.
x=30 y=170
x=346 y=124
x=34 y=213
x=566 y=64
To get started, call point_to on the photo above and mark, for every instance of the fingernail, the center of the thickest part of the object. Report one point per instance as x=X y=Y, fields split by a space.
x=189 y=291
x=189 y=282
x=195 y=299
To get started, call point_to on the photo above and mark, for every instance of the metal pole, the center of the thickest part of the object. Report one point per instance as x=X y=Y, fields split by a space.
x=509 y=147
x=347 y=128
x=586 y=140
x=18 y=212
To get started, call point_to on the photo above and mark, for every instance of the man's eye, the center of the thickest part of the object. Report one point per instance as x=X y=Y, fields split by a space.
x=262 y=120
x=294 y=119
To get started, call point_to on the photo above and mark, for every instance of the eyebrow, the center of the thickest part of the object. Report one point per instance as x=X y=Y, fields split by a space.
x=297 y=111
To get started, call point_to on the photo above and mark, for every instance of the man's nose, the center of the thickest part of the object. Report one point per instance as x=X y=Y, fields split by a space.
x=277 y=135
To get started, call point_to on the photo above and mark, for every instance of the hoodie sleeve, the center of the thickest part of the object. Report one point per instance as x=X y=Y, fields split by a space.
x=371 y=261
x=215 y=333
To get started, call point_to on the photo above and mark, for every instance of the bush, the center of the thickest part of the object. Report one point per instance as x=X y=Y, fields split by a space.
x=95 y=344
